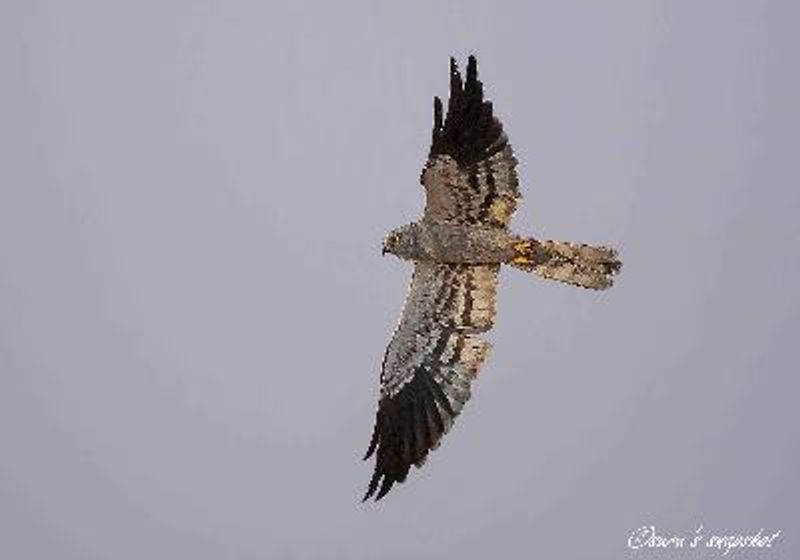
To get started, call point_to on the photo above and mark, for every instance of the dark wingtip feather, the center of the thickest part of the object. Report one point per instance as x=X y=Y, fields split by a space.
x=469 y=132
x=456 y=85
x=373 y=443
x=385 y=487
x=472 y=69
x=373 y=486
x=407 y=426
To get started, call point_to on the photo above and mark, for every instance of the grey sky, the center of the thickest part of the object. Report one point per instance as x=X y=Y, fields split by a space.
x=193 y=306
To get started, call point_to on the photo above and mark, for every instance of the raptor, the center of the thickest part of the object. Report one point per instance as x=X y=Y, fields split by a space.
x=457 y=247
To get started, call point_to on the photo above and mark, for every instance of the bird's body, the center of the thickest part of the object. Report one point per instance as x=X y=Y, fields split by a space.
x=458 y=248
x=452 y=243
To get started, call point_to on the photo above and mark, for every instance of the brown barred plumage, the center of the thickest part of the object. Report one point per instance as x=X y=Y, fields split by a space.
x=458 y=247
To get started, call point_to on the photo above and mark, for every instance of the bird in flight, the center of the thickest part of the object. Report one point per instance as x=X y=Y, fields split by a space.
x=457 y=248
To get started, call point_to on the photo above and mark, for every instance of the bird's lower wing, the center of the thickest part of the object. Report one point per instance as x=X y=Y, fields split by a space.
x=429 y=365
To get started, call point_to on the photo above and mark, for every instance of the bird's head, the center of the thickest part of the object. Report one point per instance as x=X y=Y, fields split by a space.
x=390 y=243
x=401 y=242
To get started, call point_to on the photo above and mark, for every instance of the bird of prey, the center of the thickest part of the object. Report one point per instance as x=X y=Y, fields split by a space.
x=457 y=248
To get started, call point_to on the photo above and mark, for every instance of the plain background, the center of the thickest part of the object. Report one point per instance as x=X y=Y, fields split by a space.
x=193 y=305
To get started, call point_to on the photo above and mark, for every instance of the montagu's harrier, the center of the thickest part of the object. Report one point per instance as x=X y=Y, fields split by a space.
x=457 y=248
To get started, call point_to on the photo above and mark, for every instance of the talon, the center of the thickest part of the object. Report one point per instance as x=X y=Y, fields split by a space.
x=525 y=253
x=524 y=246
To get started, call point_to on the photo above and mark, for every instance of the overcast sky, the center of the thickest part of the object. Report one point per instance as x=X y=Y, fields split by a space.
x=193 y=305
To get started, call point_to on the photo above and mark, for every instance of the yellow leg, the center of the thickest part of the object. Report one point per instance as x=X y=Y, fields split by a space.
x=525 y=251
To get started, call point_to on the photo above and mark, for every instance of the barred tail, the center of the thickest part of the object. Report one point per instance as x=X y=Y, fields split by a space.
x=571 y=263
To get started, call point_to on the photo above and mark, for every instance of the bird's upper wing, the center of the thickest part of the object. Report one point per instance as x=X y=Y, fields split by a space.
x=470 y=174
x=429 y=365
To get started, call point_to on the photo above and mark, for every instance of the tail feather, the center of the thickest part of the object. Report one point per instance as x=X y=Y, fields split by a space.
x=572 y=263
